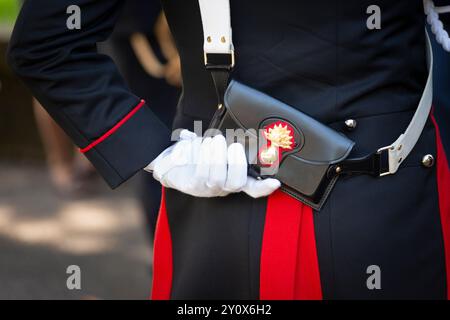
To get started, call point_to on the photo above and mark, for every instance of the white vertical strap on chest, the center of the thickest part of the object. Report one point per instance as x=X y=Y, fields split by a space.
x=216 y=21
x=400 y=149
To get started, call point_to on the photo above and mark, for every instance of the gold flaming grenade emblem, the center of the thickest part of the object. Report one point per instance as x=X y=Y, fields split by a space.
x=280 y=137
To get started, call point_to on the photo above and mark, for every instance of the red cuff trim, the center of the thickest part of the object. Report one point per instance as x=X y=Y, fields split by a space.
x=113 y=129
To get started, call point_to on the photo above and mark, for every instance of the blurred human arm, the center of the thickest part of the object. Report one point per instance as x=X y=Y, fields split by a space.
x=171 y=70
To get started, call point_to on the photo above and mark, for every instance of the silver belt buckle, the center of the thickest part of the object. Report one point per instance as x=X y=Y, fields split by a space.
x=380 y=151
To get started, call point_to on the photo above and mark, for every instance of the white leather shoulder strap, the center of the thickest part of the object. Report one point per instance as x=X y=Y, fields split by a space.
x=400 y=149
x=216 y=22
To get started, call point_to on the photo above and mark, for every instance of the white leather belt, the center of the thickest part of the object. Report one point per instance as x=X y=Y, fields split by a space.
x=216 y=21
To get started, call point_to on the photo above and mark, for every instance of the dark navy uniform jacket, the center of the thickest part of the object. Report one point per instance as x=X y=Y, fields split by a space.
x=318 y=56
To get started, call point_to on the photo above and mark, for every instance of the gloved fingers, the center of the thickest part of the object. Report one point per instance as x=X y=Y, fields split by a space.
x=179 y=155
x=223 y=193
x=208 y=168
x=151 y=167
x=218 y=163
x=179 y=178
x=196 y=147
x=260 y=188
x=203 y=162
x=163 y=180
x=187 y=135
x=184 y=135
x=182 y=153
x=237 y=168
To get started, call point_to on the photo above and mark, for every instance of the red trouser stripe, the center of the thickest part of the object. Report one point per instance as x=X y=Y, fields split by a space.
x=162 y=255
x=443 y=181
x=289 y=266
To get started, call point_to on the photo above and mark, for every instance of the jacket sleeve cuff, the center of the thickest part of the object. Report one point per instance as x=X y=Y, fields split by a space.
x=129 y=146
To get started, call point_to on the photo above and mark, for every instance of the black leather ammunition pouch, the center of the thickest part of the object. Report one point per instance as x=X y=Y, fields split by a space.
x=283 y=143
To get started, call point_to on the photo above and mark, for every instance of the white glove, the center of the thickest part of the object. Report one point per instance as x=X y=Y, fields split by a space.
x=207 y=168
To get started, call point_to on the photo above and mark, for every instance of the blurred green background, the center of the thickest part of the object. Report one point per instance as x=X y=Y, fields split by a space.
x=18 y=132
x=8 y=11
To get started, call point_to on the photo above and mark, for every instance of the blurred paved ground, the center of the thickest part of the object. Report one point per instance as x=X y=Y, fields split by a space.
x=41 y=234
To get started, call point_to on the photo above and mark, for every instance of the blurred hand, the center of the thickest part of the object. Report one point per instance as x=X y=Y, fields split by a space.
x=207 y=167
x=173 y=72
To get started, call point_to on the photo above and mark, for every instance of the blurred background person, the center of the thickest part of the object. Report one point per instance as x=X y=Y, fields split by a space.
x=70 y=172
x=143 y=49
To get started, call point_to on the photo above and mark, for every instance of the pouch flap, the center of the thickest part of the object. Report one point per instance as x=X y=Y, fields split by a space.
x=314 y=143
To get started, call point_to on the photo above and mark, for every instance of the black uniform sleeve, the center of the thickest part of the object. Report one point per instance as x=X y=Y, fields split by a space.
x=82 y=89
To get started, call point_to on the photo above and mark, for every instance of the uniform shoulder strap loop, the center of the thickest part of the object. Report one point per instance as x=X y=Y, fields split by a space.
x=216 y=22
x=218 y=49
